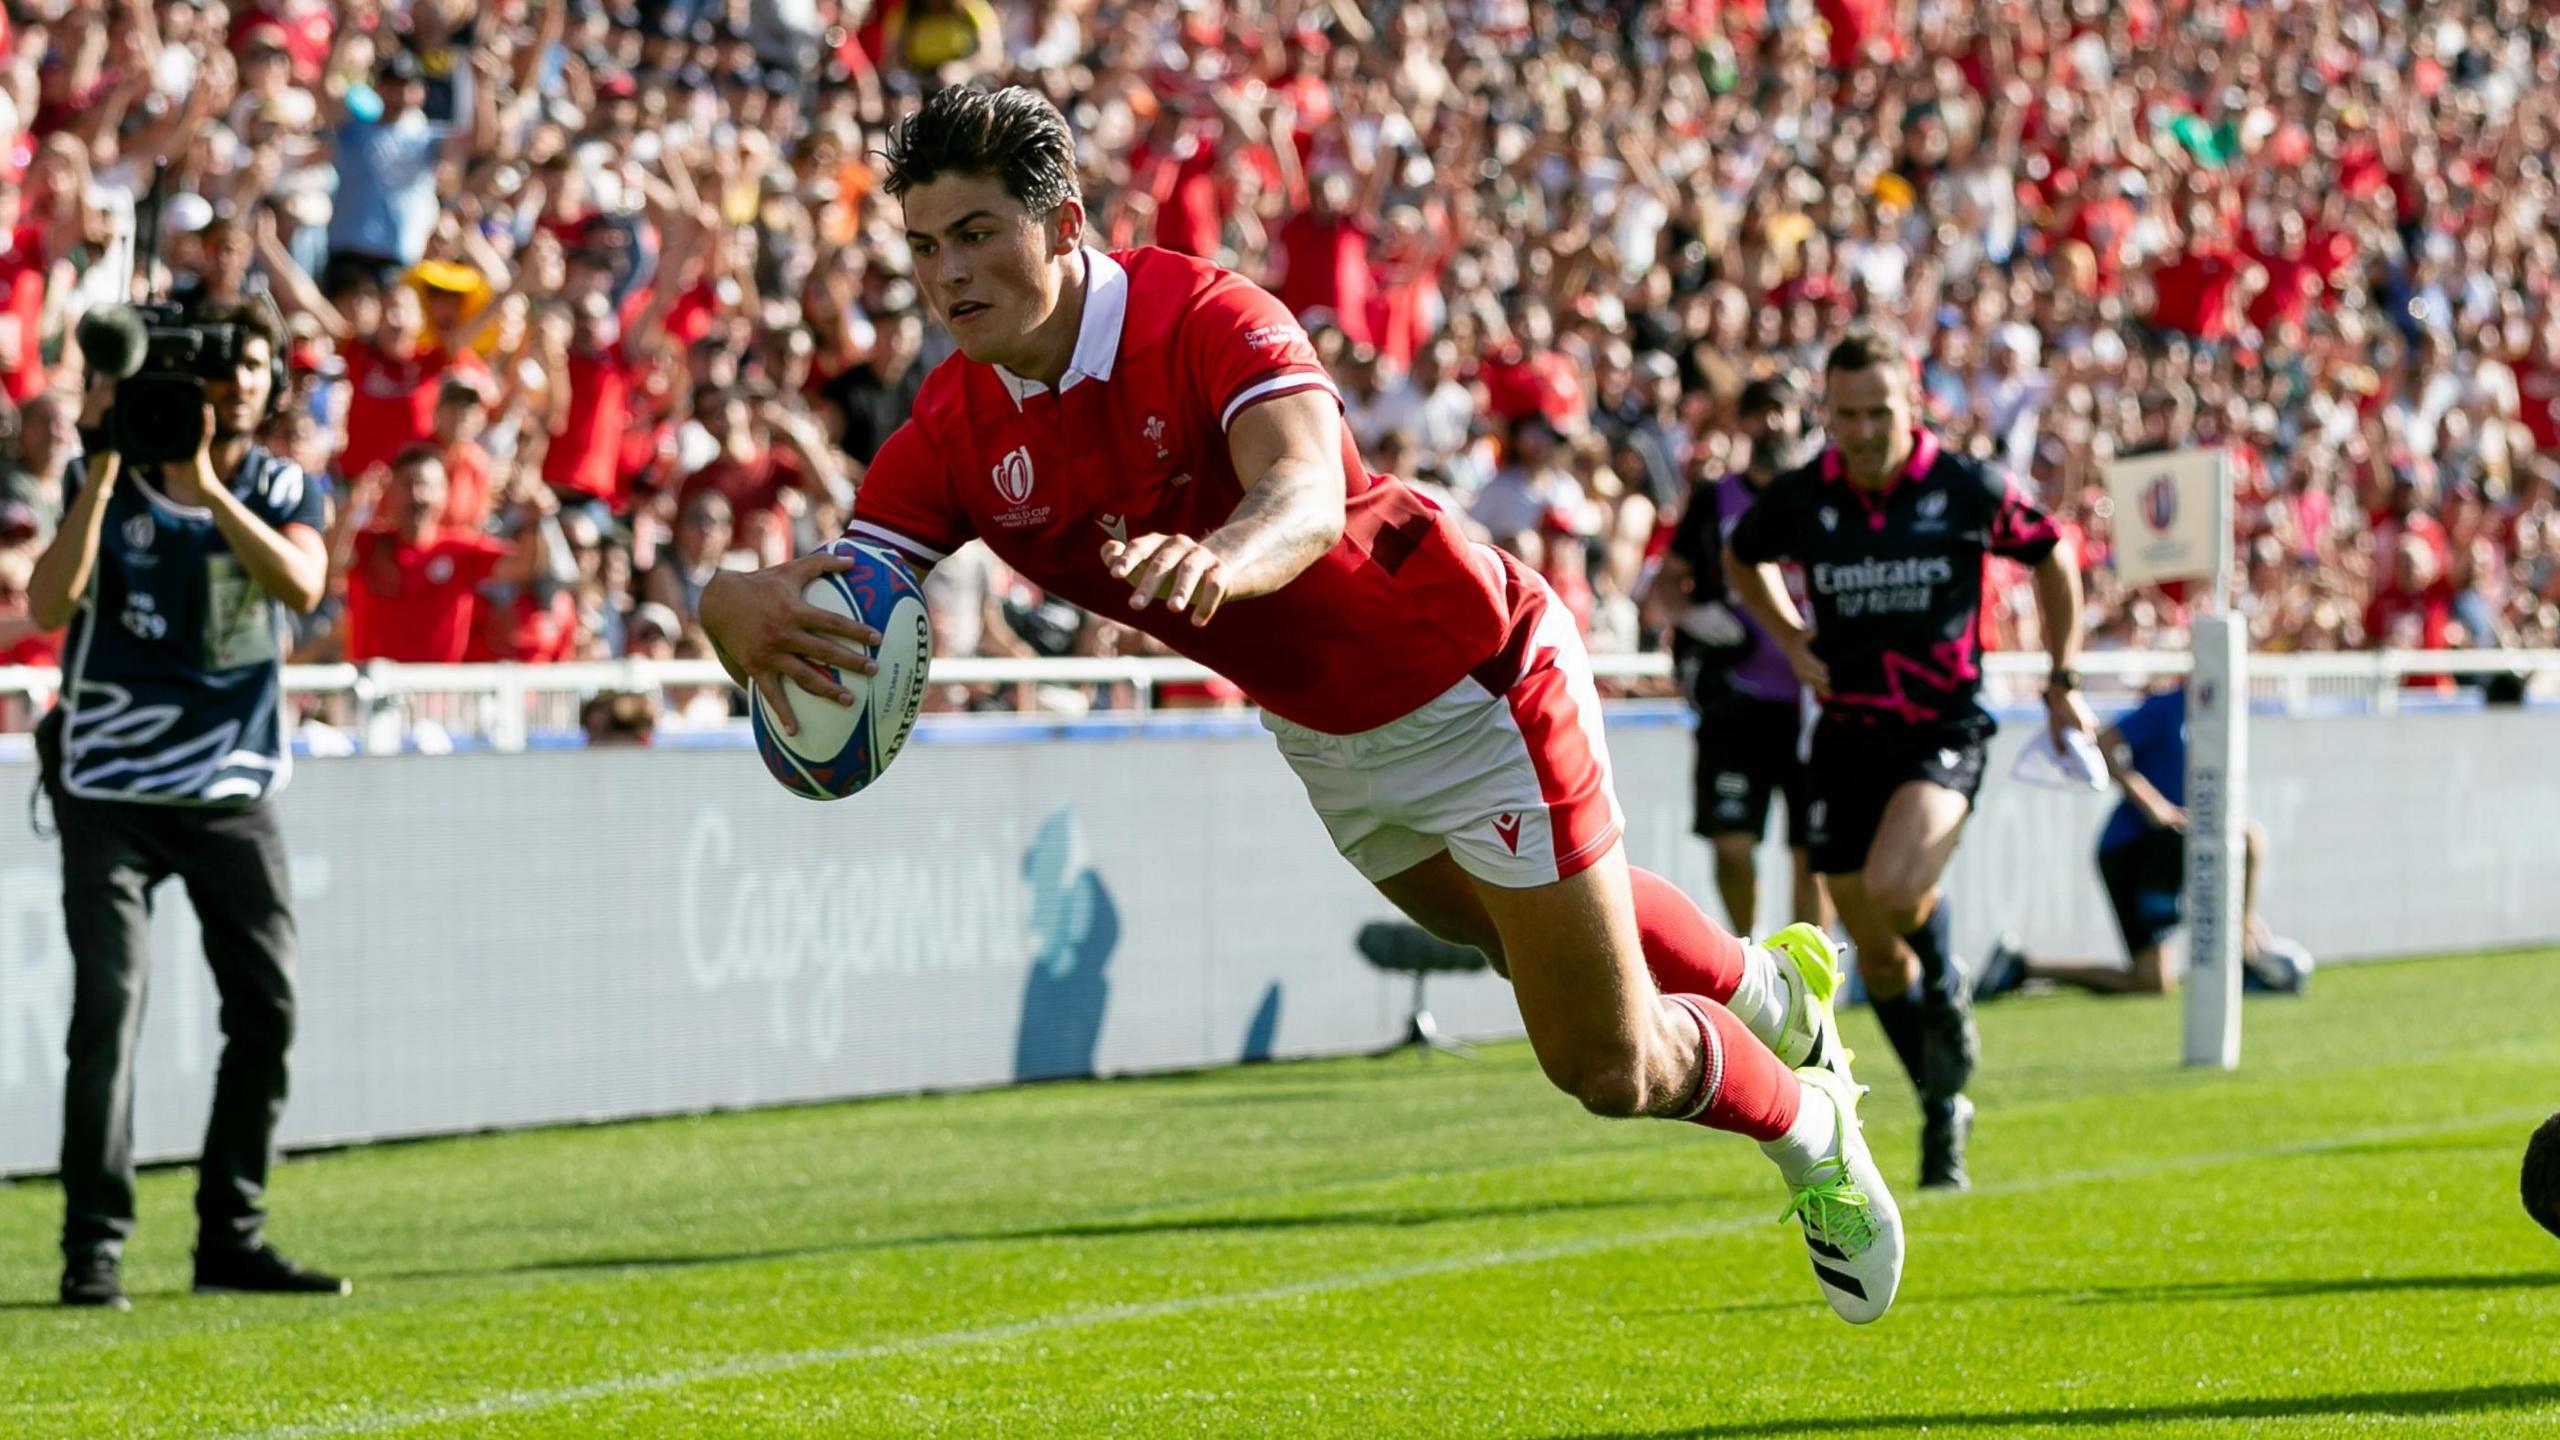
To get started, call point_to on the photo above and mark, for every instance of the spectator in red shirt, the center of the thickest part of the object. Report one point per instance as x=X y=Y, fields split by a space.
x=1530 y=377
x=2414 y=609
x=599 y=369
x=767 y=448
x=1302 y=86
x=2293 y=275
x=536 y=622
x=461 y=413
x=23 y=270
x=597 y=372
x=1325 y=251
x=21 y=643
x=2104 y=222
x=1180 y=180
x=1862 y=32
x=568 y=208
x=306 y=25
x=393 y=382
x=413 y=588
x=2407 y=511
x=2200 y=292
x=2538 y=386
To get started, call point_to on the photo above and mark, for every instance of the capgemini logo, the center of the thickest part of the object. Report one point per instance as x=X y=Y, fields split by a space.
x=812 y=933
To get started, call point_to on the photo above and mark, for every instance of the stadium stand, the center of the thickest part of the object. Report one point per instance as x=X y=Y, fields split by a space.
x=623 y=266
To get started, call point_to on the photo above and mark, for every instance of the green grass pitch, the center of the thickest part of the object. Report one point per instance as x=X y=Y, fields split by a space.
x=2327 y=1243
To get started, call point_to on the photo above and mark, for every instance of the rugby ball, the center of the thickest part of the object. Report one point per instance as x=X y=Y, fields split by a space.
x=842 y=748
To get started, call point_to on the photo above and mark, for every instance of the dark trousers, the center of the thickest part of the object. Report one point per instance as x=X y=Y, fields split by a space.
x=232 y=862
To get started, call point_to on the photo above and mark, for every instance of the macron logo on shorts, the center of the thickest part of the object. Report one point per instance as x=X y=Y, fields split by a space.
x=1508 y=827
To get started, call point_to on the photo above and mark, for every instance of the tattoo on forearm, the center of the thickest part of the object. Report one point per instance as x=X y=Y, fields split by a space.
x=1280 y=529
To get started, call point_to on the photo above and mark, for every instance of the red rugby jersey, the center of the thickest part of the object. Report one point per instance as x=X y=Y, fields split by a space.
x=1133 y=442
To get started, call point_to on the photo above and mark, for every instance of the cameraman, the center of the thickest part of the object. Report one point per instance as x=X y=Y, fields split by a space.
x=160 y=760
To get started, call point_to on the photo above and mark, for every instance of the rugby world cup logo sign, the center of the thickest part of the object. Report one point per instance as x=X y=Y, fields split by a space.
x=2160 y=502
x=1013 y=475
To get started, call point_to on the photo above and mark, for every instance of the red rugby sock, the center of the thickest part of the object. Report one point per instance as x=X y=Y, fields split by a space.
x=1688 y=953
x=1743 y=1087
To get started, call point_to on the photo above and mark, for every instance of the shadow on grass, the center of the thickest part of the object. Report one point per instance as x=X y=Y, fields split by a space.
x=2405 y=1403
x=1400 y=1217
x=2208 y=1290
x=2317 y=1285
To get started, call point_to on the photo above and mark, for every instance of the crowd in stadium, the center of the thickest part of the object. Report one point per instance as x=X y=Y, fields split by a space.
x=586 y=301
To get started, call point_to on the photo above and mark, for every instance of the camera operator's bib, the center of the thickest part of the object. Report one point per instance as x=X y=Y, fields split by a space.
x=240 y=620
x=172 y=679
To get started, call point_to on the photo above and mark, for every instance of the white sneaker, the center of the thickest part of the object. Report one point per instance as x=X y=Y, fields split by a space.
x=1850 y=1221
x=1811 y=1034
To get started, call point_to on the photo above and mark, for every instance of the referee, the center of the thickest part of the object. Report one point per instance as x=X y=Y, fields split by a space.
x=1891 y=530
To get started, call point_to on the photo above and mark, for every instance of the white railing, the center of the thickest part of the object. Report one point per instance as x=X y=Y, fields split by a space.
x=504 y=705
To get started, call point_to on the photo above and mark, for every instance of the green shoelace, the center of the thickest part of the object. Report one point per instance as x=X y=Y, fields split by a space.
x=1833 y=1208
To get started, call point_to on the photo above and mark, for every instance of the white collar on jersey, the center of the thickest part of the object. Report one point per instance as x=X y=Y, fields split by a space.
x=1106 y=310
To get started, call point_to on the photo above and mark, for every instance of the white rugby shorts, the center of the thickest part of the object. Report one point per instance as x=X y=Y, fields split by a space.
x=1507 y=770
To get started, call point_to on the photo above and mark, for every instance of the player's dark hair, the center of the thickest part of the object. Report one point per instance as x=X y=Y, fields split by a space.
x=1867 y=348
x=1014 y=135
x=2542 y=1176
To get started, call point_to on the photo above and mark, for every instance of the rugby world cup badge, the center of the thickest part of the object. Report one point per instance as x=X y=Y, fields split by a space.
x=2160 y=503
x=1013 y=475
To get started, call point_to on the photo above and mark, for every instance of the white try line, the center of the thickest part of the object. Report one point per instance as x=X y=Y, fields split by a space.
x=517 y=1402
